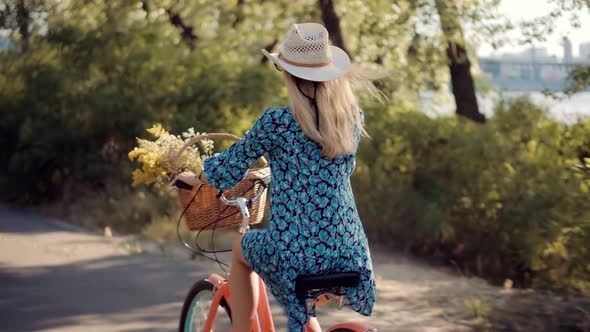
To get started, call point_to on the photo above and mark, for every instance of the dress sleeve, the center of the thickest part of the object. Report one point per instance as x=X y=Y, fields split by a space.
x=224 y=170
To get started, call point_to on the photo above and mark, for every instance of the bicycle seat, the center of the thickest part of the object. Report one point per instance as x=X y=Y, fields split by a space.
x=310 y=286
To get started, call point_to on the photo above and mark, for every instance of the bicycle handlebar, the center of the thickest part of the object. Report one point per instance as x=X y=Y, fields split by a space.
x=243 y=203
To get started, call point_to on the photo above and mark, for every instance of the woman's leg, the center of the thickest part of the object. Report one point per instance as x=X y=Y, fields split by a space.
x=244 y=290
x=313 y=325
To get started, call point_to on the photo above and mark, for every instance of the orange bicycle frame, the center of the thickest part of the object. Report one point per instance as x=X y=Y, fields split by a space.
x=263 y=318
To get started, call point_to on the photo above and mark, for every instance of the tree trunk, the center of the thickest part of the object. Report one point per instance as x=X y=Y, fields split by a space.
x=459 y=64
x=239 y=14
x=145 y=6
x=462 y=83
x=22 y=19
x=332 y=23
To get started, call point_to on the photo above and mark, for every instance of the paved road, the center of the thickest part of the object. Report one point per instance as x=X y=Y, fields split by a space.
x=57 y=278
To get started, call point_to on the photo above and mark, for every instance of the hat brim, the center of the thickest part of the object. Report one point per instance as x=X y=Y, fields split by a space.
x=338 y=67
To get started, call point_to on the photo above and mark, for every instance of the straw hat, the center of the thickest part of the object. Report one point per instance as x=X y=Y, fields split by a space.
x=305 y=53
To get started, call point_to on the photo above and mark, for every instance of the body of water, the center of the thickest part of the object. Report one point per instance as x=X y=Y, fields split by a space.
x=568 y=110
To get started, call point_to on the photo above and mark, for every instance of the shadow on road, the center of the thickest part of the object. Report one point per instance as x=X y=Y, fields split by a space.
x=23 y=222
x=142 y=288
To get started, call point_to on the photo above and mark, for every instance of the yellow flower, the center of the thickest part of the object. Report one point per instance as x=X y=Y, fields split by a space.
x=138 y=177
x=156 y=130
x=155 y=157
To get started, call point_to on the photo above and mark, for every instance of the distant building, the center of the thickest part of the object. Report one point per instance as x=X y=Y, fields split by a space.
x=532 y=54
x=585 y=51
x=534 y=69
x=518 y=75
x=568 y=56
x=540 y=54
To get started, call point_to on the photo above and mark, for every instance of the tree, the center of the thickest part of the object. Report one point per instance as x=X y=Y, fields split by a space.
x=102 y=81
x=332 y=23
x=459 y=64
x=578 y=79
x=20 y=18
x=73 y=104
x=23 y=18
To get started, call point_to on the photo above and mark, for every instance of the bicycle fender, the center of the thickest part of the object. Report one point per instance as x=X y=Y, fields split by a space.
x=357 y=327
x=216 y=280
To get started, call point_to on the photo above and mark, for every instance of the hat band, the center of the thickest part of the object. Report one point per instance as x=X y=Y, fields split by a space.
x=299 y=64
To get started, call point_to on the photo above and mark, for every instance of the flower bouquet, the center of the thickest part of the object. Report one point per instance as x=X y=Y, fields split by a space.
x=157 y=157
x=161 y=162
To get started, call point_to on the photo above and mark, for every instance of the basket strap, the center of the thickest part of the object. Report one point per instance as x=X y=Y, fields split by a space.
x=207 y=136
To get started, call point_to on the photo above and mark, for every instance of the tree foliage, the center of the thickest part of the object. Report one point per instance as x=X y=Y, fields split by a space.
x=101 y=71
x=73 y=105
x=501 y=200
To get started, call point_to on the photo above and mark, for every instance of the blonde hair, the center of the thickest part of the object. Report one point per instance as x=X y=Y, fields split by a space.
x=338 y=110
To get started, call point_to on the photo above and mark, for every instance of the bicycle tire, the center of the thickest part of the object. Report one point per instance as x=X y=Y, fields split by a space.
x=191 y=302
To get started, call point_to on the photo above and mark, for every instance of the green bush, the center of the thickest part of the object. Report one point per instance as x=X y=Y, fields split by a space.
x=499 y=199
x=72 y=106
x=123 y=209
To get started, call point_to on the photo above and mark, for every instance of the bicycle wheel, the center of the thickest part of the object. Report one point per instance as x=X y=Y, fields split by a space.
x=196 y=309
x=351 y=327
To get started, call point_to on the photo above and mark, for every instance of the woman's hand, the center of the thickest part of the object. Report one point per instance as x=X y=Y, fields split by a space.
x=191 y=178
x=188 y=178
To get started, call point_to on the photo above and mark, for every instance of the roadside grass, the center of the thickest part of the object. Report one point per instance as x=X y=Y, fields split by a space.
x=514 y=310
x=477 y=308
x=124 y=210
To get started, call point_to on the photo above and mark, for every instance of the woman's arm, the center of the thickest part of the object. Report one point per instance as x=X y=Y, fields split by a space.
x=224 y=170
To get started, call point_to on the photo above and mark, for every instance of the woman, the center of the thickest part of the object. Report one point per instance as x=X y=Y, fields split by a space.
x=314 y=225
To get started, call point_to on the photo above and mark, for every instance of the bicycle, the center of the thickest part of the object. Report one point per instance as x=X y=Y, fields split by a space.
x=201 y=306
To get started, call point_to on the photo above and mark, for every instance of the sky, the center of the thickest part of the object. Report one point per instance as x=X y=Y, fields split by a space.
x=528 y=9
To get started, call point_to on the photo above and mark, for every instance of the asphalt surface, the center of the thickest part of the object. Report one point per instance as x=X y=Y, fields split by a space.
x=56 y=277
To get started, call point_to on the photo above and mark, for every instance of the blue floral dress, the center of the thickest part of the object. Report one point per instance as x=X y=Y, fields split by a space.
x=314 y=224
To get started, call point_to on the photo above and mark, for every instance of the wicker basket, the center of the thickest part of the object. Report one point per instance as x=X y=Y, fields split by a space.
x=203 y=208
